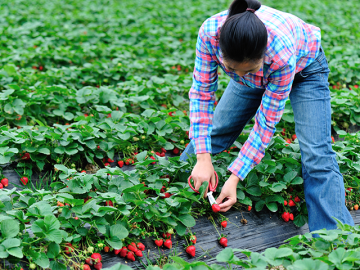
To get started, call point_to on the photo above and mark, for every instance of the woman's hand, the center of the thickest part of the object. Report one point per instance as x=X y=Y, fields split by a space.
x=228 y=192
x=203 y=171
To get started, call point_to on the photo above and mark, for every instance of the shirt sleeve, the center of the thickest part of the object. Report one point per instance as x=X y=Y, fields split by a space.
x=201 y=94
x=267 y=116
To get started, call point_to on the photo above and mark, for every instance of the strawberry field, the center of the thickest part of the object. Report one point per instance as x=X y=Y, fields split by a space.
x=94 y=116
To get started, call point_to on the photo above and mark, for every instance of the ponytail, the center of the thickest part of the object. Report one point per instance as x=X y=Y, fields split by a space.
x=243 y=37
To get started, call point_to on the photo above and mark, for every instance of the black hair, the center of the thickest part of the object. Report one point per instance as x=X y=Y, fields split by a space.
x=243 y=37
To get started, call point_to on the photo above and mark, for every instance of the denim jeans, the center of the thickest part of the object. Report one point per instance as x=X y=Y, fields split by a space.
x=310 y=99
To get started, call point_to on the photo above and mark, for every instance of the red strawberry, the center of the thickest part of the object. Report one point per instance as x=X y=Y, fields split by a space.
x=249 y=208
x=294 y=137
x=98 y=266
x=107 y=164
x=106 y=249
x=291 y=189
x=153 y=158
x=109 y=115
x=110 y=160
x=223 y=241
x=285 y=216
x=123 y=252
x=86 y=115
x=191 y=250
x=109 y=203
x=166 y=235
x=283 y=131
x=1 y=186
x=285 y=203
x=5 y=182
x=288 y=140
x=98 y=147
x=26 y=156
x=89 y=261
x=86 y=267
x=131 y=248
x=291 y=203
x=141 y=246
x=96 y=257
x=168 y=244
x=291 y=216
x=223 y=224
x=121 y=163
x=130 y=256
x=215 y=207
x=297 y=199
x=215 y=103
x=193 y=239
x=176 y=151
x=24 y=180
x=162 y=154
x=159 y=242
x=167 y=195
x=163 y=189
x=69 y=249
x=138 y=253
x=333 y=139
x=163 y=150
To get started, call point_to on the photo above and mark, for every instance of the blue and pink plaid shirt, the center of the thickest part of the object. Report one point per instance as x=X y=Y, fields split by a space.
x=292 y=46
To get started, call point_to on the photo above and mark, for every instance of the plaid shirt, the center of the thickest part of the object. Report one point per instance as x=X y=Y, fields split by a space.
x=292 y=46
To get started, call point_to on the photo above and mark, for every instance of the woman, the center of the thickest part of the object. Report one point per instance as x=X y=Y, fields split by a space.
x=270 y=56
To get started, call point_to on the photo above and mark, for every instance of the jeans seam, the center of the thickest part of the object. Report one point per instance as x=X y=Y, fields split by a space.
x=338 y=210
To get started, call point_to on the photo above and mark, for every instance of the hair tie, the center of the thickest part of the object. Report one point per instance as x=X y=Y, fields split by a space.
x=251 y=10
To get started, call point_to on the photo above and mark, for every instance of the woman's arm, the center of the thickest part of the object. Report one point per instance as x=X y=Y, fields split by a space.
x=202 y=100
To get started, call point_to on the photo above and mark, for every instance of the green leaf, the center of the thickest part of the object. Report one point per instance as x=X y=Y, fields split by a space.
x=45 y=151
x=225 y=256
x=16 y=252
x=9 y=228
x=61 y=168
x=309 y=264
x=290 y=176
x=277 y=187
x=300 y=220
x=259 y=205
x=11 y=243
x=118 y=231
x=53 y=250
x=55 y=265
x=120 y=266
x=273 y=207
x=187 y=220
x=43 y=261
x=180 y=229
x=240 y=194
x=254 y=190
x=297 y=181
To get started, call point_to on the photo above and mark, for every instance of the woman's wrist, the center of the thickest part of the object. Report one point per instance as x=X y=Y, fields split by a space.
x=203 y=157
x=234 y=179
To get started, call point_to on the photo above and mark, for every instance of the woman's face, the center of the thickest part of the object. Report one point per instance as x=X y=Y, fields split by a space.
x=243 y=68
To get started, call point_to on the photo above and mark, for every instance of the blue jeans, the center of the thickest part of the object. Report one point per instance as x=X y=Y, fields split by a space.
x=310 y=99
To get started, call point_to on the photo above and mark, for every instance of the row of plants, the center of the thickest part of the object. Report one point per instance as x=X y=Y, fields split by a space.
x=333 y=249
x=150 y=200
